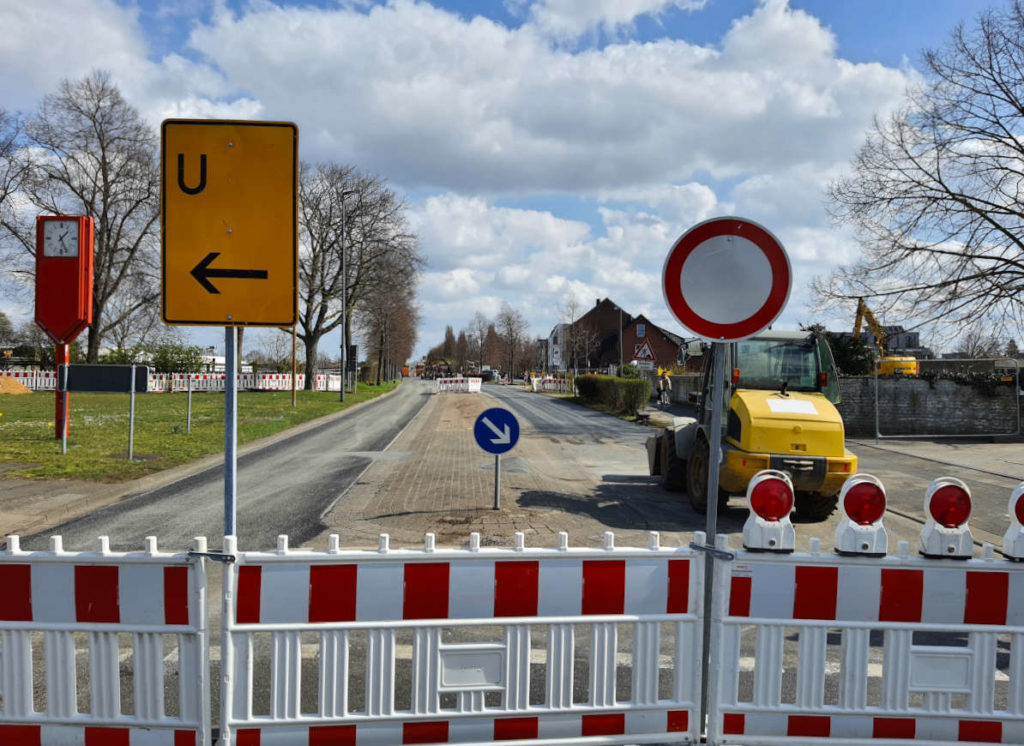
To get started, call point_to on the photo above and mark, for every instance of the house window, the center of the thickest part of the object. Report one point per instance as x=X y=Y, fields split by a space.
x=641 y=329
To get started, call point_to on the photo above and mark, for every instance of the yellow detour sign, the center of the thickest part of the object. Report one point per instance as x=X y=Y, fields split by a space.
x=228 y=198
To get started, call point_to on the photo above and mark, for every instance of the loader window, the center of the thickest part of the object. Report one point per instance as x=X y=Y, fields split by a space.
x=767 y=363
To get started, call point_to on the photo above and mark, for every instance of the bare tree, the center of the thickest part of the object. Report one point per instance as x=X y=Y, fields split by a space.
x=388 y=318
x=88 y=152
x=322 y=188
x=512 y=330
x=935 y=191
x=477 y=336
x=977 y=343
x=571 y=312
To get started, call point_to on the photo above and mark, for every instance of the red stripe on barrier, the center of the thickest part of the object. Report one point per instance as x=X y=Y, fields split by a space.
x=20 y=735
x=107 y=737
x=332 y=593
x=426 y=592
x=184 y=738
x=248 y=609
x=96 y=594
x=678 y=721
x=901 y=596
x=432 y=732
x=817 y=726
x=815 y=593
x=985 y=731
x=604 y=586
x=175 y=595
x=678 y=587
x=515 y=588
x=739 y=597
x=16 y=599
x=894 y=728
x=247 y=736
x=734 y=723
x=611 y=724
x=332 y=735
x=987 y=594
x=510 y=729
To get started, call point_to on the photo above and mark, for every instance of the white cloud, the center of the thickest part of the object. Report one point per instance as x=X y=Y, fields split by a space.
x=571 y=18
x=648 y=138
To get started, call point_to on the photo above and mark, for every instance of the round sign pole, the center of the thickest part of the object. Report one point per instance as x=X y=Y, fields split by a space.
x=725 y=280
x=497 y=481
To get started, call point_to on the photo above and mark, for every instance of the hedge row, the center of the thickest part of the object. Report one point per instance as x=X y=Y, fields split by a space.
x=625 y=395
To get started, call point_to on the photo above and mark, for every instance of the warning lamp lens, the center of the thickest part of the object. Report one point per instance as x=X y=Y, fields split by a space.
x=771 y=499
x=864 y=503
x=950 y=506
x=822 y=380
x=1018 y=510
x=735 y=375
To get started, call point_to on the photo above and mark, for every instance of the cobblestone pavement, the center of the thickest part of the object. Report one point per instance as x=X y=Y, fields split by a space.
x=434 y=478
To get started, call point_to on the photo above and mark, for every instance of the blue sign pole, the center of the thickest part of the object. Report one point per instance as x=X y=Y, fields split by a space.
x=496 y=431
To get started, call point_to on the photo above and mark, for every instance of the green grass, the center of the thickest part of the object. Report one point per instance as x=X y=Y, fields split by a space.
x=98 y=434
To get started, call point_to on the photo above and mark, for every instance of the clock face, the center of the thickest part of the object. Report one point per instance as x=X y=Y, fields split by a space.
x=60 y=238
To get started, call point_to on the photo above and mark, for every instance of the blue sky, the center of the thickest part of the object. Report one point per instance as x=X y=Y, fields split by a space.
x=547 y=149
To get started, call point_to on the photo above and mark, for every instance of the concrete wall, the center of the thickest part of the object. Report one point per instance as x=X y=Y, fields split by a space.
x=913 y=407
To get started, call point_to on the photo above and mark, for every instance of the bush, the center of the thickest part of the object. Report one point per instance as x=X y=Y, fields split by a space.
x=622 y=395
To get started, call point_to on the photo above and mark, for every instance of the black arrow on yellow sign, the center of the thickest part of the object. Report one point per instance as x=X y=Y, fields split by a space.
x=203 y=273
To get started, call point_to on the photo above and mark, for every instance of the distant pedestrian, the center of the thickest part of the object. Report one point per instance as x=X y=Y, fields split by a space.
x=664 y=389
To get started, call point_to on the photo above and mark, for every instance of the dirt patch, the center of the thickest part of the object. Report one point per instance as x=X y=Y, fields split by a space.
x=13 y=386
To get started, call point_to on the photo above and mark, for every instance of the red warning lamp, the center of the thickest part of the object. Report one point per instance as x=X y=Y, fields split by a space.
x=735 y=375
x=947 y=506
x=768 y=529
x=772 y=499
x=1013 y=539
x=950 y=506
x=864 y=503
x=822 y=380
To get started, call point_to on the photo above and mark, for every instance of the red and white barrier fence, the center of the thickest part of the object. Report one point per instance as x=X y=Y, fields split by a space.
x=459 y=384
x=475 y=619
x=550 y=383
x=128 y=616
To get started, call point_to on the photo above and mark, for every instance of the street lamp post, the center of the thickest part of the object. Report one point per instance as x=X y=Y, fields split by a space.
x=344 y=294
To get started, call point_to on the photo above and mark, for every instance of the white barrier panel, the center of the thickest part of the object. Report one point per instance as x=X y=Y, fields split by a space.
x=895 y=649
x=453 y=639
x=137 y=616
x=550 y=383
x=459 y=385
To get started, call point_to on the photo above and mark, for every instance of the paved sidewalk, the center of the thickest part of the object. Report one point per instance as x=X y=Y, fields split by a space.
x=436 y=479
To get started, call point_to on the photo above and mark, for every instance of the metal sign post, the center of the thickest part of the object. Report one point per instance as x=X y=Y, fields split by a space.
x=188 y=412
x=115 y=379
x=725 y=279
x=496 y=431
x=230 y=433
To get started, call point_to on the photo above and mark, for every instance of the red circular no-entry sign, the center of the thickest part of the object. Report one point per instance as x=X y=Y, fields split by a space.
x=726 y=279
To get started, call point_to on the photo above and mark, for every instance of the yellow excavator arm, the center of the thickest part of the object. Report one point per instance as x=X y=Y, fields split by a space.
x=864 y=314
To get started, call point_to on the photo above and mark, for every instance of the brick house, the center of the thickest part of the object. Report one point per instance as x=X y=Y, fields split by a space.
x=595 y=335
x=648 y=343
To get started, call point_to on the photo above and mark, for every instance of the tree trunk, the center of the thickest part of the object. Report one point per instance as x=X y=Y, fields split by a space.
x=311 y=345
x=92 y=349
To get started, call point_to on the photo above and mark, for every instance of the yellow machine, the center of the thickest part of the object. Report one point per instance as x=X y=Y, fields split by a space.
x=888 y=365
x=781 y=391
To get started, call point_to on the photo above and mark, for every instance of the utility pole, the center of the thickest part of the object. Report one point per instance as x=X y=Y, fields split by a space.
x=344 y=293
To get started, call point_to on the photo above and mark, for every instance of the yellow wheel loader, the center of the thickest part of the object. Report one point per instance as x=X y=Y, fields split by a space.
x=780 y=392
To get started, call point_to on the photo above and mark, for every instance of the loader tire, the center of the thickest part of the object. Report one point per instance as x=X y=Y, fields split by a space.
x=697 y=479
x=673 y=468
x=813 y=506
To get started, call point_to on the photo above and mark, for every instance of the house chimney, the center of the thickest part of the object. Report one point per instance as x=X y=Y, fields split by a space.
x=597 y=302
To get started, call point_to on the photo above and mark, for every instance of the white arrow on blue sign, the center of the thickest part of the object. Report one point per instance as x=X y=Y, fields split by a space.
x=496 y=430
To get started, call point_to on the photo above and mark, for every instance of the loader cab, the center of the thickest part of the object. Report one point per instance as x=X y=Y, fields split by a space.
x=774 y=361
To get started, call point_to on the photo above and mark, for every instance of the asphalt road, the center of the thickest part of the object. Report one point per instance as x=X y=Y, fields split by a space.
x=283 y=488
x=906 y=479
